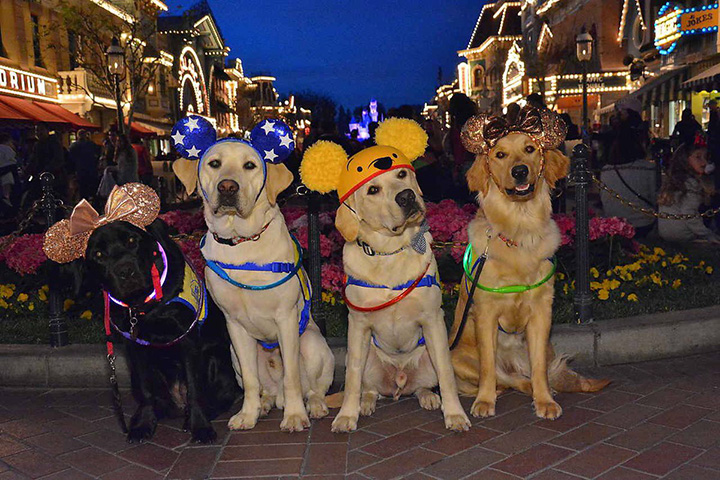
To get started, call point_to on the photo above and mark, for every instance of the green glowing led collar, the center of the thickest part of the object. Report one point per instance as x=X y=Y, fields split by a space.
x=468 y=267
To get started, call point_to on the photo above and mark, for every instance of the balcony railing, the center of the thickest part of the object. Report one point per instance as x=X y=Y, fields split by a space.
x=80 y=81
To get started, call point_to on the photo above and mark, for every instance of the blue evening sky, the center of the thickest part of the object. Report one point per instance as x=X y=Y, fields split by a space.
x=351 y=51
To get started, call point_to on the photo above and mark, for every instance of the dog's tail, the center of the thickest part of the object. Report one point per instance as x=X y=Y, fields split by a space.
x=335 y=400
x=563 y=379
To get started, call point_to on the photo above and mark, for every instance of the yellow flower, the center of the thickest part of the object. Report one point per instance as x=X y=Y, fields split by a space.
x=5 y=291
x=676 y=283
x=658 y=251
x=46 y=288
x=86 y=315
x=664 y=263
x=31 y=306
x=22 y=297
x=594 y=272
x=603 y=294
x=632 y=297
x=622 y=294
x=67 y=304
x=565 y=289
x=709 y=270
x=3 y=303
x=595 y=285
x=560 y=276
x=42 y=295
x=676 y=259
x=655 y=277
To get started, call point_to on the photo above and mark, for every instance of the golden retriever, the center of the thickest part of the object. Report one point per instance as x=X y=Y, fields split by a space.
x=385 y=354
x=513 y=179
x=240 y=202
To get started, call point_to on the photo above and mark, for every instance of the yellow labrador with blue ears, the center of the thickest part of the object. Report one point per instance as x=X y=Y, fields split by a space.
x=254 y=273
x=397 y=340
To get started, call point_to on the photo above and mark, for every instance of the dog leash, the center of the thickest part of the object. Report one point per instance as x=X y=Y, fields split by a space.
x=393 y=301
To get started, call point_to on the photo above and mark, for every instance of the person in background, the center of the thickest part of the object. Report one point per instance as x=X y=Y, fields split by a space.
x=9 y=178
x=713 y=137
x=47 y=156
x=433 y=176
x=107 y=157
x=511 y=113
x=85 y=154
x=126 y=160
x=355 y=145
x=461 y=108
x=370 y=141
x=630 y=173
x=685 y=188
x=145 y=169
x=536 y=100
x=686 y=128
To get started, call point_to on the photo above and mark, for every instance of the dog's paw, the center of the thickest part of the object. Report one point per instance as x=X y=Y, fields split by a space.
x=140 y=433
x=457 y=422
x=549 y=410
x=344 y=423
x=294 y=422
x=482 y=409
x=368 y=401
x=429 y=400
x=242 y=421
x=266 y=404
x=204 y=435
x=316 y=407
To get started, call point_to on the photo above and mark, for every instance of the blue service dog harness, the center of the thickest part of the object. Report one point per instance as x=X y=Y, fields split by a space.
x=426 y=281
x=291 y=269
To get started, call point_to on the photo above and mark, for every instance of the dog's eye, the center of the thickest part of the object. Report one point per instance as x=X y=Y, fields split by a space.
x=500 y=155
x=214 y=164
x=402 y=174
x=529 y=149
x=249 y=165
x=98 y=254
x=131 y=240
x=373 y=190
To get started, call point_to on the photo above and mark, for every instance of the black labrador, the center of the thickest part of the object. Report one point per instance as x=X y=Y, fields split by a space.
x=193 y=376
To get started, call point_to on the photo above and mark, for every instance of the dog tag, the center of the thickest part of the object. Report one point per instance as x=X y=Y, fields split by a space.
x=133 y=332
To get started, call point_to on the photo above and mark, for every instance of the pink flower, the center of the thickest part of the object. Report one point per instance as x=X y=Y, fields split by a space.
x=25 y=254
x=333 y=277
x=191 y=249
x=185 y=221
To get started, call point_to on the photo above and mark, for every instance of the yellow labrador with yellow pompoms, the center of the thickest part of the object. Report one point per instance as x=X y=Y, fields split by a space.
x=397 y=340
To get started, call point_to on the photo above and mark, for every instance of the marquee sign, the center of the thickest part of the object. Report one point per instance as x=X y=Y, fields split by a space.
x=673 y=22
x=26 y=84
x=193 y=92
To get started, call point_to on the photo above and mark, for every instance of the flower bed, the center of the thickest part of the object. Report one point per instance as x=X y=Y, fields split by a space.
x=628 y=278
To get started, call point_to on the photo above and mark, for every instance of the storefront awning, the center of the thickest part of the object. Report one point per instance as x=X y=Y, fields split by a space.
x=157 y=130
x=708 y=80
x=19 y=109
x=658 y=82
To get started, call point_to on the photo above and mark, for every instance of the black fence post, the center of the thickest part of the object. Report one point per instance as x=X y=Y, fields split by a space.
x=315 y=265
x=58 y=328
x=581 y=177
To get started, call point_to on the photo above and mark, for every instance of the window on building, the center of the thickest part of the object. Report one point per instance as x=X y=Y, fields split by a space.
x=478 y=77
x=73 y=49
x=36 y=41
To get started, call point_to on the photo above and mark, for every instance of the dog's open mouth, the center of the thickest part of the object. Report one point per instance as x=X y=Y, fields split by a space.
x=521 y=190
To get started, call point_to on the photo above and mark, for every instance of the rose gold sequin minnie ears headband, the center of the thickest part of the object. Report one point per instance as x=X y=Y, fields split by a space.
x=67 y=240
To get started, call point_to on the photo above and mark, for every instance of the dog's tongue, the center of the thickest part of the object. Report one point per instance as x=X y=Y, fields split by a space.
x=522 y=188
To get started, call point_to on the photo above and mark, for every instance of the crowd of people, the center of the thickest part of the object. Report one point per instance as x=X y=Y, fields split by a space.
x=87 y=169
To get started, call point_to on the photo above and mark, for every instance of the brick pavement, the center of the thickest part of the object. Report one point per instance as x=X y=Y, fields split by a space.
x=657 y=420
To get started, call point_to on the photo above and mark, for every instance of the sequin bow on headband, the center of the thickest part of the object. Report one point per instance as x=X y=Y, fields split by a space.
x=482 y=132
x=133 y=202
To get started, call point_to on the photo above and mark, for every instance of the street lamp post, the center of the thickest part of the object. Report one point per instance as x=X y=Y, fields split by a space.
x=581 y=176
x=116 y=62
x=584 y=43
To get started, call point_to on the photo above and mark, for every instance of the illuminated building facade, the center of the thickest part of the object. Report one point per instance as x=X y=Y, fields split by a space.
x=367 y=116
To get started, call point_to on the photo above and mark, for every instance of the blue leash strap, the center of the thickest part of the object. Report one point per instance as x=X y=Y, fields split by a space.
x=304 y=315
x=427 y=281
x=275 y=267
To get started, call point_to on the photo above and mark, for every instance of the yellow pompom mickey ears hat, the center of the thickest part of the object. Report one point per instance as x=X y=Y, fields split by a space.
x=325 y=166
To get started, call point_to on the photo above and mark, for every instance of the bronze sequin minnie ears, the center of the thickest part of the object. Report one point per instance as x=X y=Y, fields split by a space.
x=133 y=202
x=482 y=132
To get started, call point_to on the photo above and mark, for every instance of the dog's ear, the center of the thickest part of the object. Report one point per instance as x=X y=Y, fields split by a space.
x=556 y=166
x=477 y=176
x=186 y=171
x=346 y=220
x=159 y=229
x=278 y=179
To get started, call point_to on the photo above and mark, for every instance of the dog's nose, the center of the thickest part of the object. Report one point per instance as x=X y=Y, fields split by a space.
x=124 y=271
x=228 y=187
x=520 y=172
x=405 y=198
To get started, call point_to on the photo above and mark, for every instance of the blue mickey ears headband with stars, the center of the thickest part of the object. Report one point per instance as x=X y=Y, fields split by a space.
x=272 y=140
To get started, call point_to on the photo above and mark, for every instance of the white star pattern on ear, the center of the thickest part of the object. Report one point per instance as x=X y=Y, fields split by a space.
x=286 y=141
x=268 y=127
x=192 y=124
x=178 y=138
x=193 y=152
x=270 y=155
